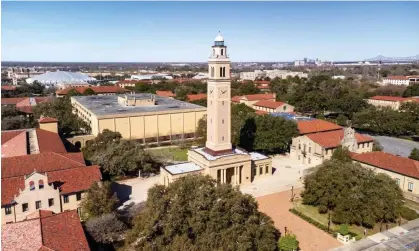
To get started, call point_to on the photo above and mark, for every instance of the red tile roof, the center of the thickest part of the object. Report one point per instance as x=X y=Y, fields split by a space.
x=269 y=104
x=8 y=87
x=64 y=232
x=332 y=139
x=262 y=82
x=11 y=101
x=33 y=101
x=47 y=120
x=8 y=135
x=194 y=97
x=70 y=180
x=255 y=97
x=236 y=99
x=388 y=98
x=42 y=162
x=96 y=89
x=167 y=94
x=316 y=125
x=390 y=162
x=75 y=179
x=51 y=232
x=397 y=77
x=49 y=142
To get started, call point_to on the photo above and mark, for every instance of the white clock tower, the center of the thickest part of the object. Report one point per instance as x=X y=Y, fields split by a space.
x=218 y=105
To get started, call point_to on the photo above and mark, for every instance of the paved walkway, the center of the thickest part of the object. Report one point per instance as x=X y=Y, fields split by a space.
x=310 y=237
x=405 y=237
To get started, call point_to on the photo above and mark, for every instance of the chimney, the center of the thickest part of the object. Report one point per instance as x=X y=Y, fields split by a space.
x=48 y=124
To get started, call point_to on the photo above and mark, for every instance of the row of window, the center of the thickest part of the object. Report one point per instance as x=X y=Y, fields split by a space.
x=222 y=72
x=38 y=204
x=409 y=185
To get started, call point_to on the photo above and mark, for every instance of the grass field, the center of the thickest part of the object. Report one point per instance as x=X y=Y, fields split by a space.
x=314 y=214
x=412 y=204
x=169 y=153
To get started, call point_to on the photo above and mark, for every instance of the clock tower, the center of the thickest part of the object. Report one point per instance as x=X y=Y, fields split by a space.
x=218 y=103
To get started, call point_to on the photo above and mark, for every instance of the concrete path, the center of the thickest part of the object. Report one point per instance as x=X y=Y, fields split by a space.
x=310 y=237
x=397 y=146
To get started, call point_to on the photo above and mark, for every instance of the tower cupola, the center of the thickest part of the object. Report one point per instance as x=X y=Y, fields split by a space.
x=219 y=40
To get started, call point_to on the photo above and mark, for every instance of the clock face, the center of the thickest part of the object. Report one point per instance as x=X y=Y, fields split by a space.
x=223 y=93
x=211 y=92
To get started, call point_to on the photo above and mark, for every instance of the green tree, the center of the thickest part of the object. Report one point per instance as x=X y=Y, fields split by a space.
x=12 y=119
x=99 y=200
x=341 y=154
x=213 y=217
x=344 y=229
x=248 y=88
x=274 y=133
x=411 y=91
x=89 y=91
x=106 y=228
x=414 y=154
x=288 y=242
x=342 y=120
x=62 y=110
x=100 y=143
x=73 y=92
x=376 y=147
x=239 y=114
x=201 y=131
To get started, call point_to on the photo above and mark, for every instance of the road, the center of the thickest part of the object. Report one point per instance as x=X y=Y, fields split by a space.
x=396 y=146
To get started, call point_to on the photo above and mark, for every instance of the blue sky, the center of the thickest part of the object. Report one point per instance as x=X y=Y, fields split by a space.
x=184 y=31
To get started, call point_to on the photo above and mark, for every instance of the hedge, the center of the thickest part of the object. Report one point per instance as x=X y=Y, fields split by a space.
x=313 y=222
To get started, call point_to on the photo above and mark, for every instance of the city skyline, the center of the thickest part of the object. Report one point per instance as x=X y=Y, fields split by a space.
x=181 y=31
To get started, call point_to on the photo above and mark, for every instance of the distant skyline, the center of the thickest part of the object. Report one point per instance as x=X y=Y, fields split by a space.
x=184 y=31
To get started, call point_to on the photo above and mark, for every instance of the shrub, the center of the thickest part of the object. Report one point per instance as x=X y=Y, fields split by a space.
x=311 y=221
x=106 y=228
x=344 y=229
x=408 y=213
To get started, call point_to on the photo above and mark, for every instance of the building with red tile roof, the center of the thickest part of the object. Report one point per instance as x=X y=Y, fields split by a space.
x=25 y=104
x=99 y=90
x=315 y=126
x=251 y=99
x=401 y=80
x=314 y=148
x=167 y=94
x=8 y=87
x=30 y=141
x=403 y=170
x=273 y=106
x=390 y=101
x=194 y=97
x=260 y=112
x=52 y=232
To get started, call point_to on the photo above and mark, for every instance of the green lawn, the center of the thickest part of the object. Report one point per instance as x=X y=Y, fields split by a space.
x=412 y=204
x=170 y=153
x=314 y=214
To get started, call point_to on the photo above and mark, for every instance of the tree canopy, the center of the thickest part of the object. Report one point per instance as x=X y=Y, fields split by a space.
x=414 y=154
x=194 y=213
x=62 y=110
x=288 y=242
x=12 y=119
x=118 y=157
x=99 y=200
x=353 y=194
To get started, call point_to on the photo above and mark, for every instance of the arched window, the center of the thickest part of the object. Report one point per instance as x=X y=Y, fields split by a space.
x=212 y=72
x=41 y=184
x=213 y=52
x=222 y=52
x=31 y=185
x=221 y=71
x=224 y=71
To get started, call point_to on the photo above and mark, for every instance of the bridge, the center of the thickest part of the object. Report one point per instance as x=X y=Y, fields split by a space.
x=393 y=59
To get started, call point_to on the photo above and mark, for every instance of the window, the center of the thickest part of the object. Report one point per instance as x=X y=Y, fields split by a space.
x=222 y=102
x=41 y=184
x=25 y=207
x=298 y=157
x=410 y=187
x=224 y=71
x=222 y=138
x=221 y=71
x=260 y=170
x=285 y=107
x=78 y=196
x=38 y=204
x=8 y=210
x=66 y=199
x=397 y=181
x=50 y=202
x=31 y=185
x=309 y=160
x=299 y=146
x=212 y=72
x=309 y=149
x=266 y=169
x=222 y=121
x=222 y=52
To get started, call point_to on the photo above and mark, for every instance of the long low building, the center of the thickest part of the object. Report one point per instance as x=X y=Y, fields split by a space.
x=146 y=117
x=390 y=101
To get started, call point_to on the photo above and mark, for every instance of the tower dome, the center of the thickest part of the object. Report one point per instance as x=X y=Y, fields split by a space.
x=219 y=38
